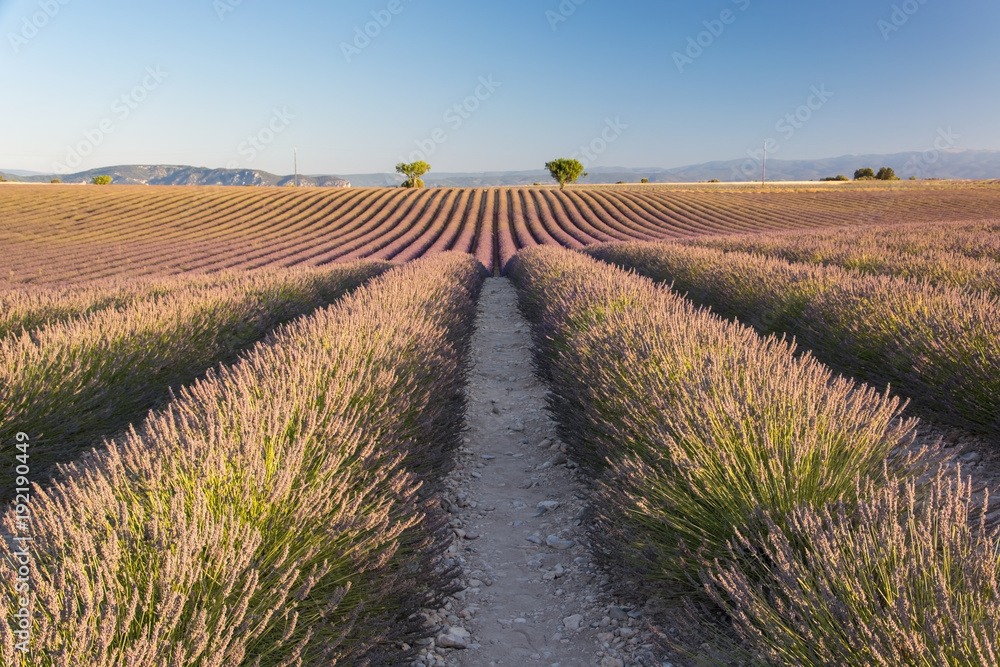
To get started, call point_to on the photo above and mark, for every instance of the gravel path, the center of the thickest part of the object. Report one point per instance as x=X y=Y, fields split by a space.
x=533 y=596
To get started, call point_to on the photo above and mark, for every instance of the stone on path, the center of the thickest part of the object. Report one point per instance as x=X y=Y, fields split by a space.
x=557 y=542
x=456 y=637
x=573 y=622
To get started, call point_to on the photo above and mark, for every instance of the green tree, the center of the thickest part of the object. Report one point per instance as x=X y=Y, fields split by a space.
x=101 y=180
x=413 y=172
x=565 y=171
x=886 y=174
x=838 y=177
x=866 y=174
x=645 y=180
x=56 y=180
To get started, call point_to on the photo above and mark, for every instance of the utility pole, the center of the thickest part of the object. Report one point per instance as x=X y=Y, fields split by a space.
x=296 y=166
x=763 y=175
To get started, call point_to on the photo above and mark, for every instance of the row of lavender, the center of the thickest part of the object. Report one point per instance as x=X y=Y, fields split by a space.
x=80 y=363
x=957 y=254
x=732 y=468
x=937 y=345
x=25 y=308
x=278 y=511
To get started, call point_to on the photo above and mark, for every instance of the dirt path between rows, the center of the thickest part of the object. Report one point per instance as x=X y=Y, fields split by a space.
x=533 y=595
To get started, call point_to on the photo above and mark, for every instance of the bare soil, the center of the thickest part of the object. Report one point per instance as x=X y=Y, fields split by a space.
x=533 y=594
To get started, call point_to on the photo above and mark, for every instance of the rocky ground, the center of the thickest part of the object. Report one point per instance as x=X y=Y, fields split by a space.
x=533 y=593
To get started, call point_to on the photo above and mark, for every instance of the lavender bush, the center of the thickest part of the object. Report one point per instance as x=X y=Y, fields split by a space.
x=938 y=346
x=69 y=383
x=693 y=422
x=902 y=577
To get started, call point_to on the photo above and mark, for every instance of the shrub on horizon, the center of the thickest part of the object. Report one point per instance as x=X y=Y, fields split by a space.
x=565 y=170
x=413 y=172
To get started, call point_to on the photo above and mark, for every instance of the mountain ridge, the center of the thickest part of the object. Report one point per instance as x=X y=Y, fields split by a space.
x=159 y=174
x=943 y=164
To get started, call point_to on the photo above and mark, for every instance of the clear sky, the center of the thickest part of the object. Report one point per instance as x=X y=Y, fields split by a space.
x=489 y=86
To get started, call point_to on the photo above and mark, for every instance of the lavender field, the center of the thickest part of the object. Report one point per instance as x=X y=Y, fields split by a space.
x=238 y=427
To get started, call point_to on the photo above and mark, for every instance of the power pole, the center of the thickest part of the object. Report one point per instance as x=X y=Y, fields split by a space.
x=296 y=166
x=763 y=175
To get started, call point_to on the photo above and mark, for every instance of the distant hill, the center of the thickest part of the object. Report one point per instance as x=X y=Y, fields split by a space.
x=969 y=164
x=182 y=175
x=948 y=164
x=22 y=172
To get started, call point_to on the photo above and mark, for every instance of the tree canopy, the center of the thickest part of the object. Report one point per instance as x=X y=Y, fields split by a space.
x=101 y=180
x=865 y=174
x=886 y=174
x=413 y=172
x=565 y=171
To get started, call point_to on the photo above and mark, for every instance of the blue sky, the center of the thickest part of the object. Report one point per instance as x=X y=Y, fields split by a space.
x=483 y=86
